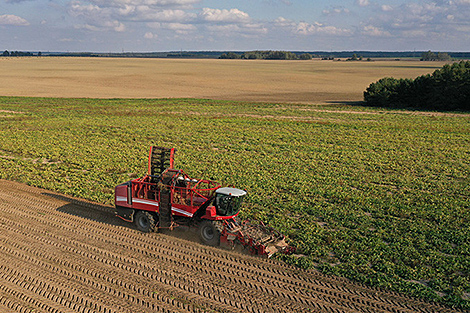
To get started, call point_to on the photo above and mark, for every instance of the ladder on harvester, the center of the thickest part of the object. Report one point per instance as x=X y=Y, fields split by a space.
x=166 y=218
x=161 y=159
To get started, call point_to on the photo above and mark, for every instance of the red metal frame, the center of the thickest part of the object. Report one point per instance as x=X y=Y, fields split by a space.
x=187 y=195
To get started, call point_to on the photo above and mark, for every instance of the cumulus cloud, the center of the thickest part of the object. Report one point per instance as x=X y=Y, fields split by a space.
x=224 y=16
x=336 y=10
x=89 y=12
x=283 y=22
x=8 y=19
x=145 y=13
x=373 y=31
x=183 y=17
x=304 y=28
x=149 y=35
x=318 y=28
x=420 y=21
x=178 y=28
x=362 y=3
x=113 y=14
x=115 y=3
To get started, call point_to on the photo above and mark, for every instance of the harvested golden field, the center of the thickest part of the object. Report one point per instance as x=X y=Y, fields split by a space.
x=244 y=80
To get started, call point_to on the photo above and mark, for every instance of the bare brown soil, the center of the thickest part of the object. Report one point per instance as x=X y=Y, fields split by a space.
x=68 y=255
x=245 y=80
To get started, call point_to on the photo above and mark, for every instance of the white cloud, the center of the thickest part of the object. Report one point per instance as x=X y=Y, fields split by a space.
x=8 y=19
x=370 y=30
x=115 y=25
x=149 y=35
x=154 y=25
x=462 y=2
x=304 y=28
x=318 y=28
x=224 y=16
x=180 y=27
x=145 y=13
x=362 y=3
x=114 y=3
x=336 y=10
x=244 y=30
x=419 y=22
x=282 y=22
x=16 y=1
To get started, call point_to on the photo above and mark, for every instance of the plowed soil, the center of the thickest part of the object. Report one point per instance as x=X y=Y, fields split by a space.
x=60 y=254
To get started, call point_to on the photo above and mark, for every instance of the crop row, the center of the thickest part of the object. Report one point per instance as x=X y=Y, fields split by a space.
x=381 y=197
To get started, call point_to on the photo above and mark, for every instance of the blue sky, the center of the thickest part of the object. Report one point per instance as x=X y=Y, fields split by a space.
x=169 y=25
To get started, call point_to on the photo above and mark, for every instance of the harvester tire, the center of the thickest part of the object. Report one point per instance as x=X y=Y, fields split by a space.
x=145 y=221
x=209 y=232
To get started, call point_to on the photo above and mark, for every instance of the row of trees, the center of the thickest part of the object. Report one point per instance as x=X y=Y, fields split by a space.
x=266 y=55
x=447 y=88
x=431 y=56
x=6 y=53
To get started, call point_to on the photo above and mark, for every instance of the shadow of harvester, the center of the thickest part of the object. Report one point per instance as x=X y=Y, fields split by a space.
x=106 y=214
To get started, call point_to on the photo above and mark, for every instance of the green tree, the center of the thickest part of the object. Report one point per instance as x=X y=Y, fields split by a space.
x=443 y=56
x=305 y=56
x=428 y=56
x=229 y=55
x=447 y=88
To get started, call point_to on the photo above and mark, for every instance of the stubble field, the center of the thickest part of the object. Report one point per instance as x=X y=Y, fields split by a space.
x=378 y=196
x=241 y=80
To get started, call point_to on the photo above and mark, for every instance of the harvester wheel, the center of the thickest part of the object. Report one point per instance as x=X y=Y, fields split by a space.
x=145 y=221
x=209 y=232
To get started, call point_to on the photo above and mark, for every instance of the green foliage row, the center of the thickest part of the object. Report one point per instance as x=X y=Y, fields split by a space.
x=6 y=53
x=447 y=88
x=382 y=198
x=431 y=56
x=266 y=55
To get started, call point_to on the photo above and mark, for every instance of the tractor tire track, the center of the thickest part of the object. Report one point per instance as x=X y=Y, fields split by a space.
x=76 y=256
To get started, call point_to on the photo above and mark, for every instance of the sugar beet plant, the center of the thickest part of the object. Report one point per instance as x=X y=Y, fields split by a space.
x=380 y=197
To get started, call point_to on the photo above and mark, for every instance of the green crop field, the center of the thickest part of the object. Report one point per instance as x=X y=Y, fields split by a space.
x=378 y=196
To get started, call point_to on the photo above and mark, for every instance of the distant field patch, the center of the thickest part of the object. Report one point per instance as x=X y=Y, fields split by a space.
x=312 y=81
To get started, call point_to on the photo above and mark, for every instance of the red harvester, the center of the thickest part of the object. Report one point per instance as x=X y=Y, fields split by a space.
x=167 y=197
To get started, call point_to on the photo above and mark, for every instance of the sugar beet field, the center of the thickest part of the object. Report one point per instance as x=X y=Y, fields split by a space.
x=378 y=196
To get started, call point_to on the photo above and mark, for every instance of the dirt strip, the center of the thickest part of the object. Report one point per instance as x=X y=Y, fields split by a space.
x=60 y=254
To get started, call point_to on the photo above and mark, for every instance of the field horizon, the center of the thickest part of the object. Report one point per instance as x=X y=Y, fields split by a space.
x=313 y=81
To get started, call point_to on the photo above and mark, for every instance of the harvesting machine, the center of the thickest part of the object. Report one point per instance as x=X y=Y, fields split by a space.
x=167 y=197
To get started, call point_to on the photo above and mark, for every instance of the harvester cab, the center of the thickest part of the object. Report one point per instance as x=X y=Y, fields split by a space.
x=166 y=198
x=228 y=201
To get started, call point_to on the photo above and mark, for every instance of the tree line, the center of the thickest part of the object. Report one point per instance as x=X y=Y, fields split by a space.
x=266 y=55
x=447 y=88
x=431 y=56
x=7 y=53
